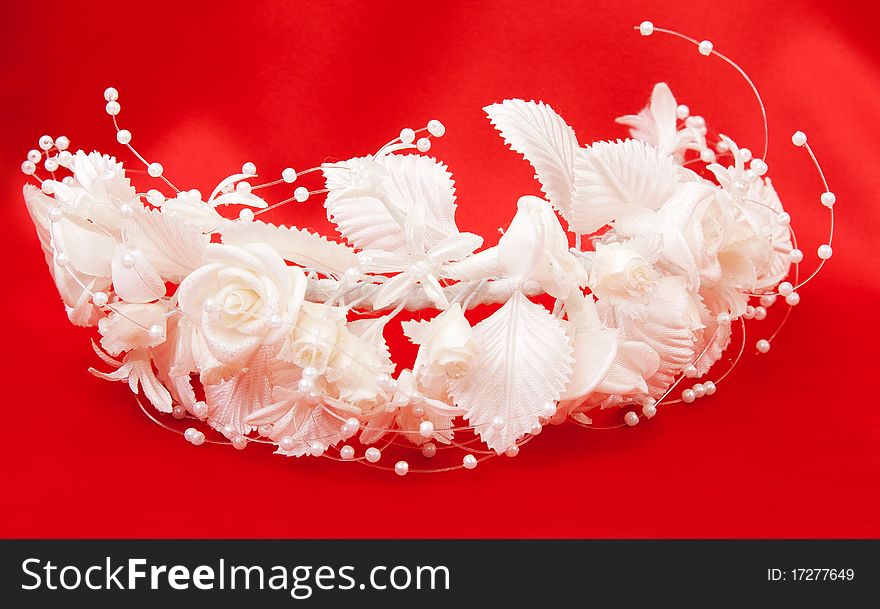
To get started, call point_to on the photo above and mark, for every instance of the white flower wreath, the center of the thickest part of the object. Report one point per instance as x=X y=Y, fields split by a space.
x=274 y=334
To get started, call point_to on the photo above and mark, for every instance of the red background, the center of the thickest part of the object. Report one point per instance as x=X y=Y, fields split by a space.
x=787 y=448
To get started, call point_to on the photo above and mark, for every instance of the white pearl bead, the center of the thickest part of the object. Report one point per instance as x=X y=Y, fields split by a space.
x=55 y=214
x=34 y=156
x=126 y=210
x=784 y=218
x=799 y=138
x=243 y=188
x=264 y=430
x=99 y=298
x=746 y=154
x=759 y=166
x=760 y=313
x=691 y=371
x=353 y=424
x=246 y=215
x=688 y=396
x=127 y=261
x=155 y=198
x=646 y=28
x=796 y=256
x=631 y=419
x=512 y=451
x=62 y=259
x=707 y=156
x=228 y=431
x=178 y=412
x=469 y=462
x=287 y=444
x=275 y=320
x=721 y=147
x=498 y=423
x=301 y=194
x=710 y=387
x=249 y=169
x=112 y=108
x=46 y=142
x=407 y=136
x=65 y=158
x=828 y=199
x=28 y=168
x=426 y=429
x=155 y=170
x=240 y=442
x=346 y=452
x=194 y=436
x=195 y=193
x=548 y=409
x=768 y=301
x=785 y=288
x=723 y=318
x=824 y=252
x=156 y=331
x=436 y=128
x=429 y=450
x=316 y=449
x=763 y=345
x=401 y=468
x=750 y=312
x=373 y=454
x=289 y=175
x=705 y=47
x=793 y=299
x=48 y=187
x=682 y=112
x=699 y=390
x=536 y=429
x=123 y=136
x=740 y=187
x=423 y=145
x=649 y=410
x=111 y=94
x=418 y=410
x=200 y=410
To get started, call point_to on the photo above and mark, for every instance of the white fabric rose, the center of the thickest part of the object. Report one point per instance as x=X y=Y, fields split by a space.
x=446 y=344
x=241 y=299
x=619 y=271
x=535 y=247
x=719 y=250
x=315 y=335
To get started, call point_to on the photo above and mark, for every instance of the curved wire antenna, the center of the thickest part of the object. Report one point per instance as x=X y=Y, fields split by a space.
x=705 y=47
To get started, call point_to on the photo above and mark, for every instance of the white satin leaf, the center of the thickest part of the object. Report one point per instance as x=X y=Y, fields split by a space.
x=622 y=177
x=536 y=131
x=370 y=199
x=523 y=361
x=296 y=245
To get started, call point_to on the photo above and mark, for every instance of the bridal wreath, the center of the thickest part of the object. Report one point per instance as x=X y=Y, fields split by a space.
x=624 y=279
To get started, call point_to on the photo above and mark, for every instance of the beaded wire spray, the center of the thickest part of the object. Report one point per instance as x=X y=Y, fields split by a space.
x=367 y=286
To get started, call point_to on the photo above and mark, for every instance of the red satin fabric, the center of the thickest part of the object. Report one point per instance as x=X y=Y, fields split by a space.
x=789 y=447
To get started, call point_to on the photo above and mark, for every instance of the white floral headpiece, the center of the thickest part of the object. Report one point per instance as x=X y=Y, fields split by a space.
x=275 y=335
